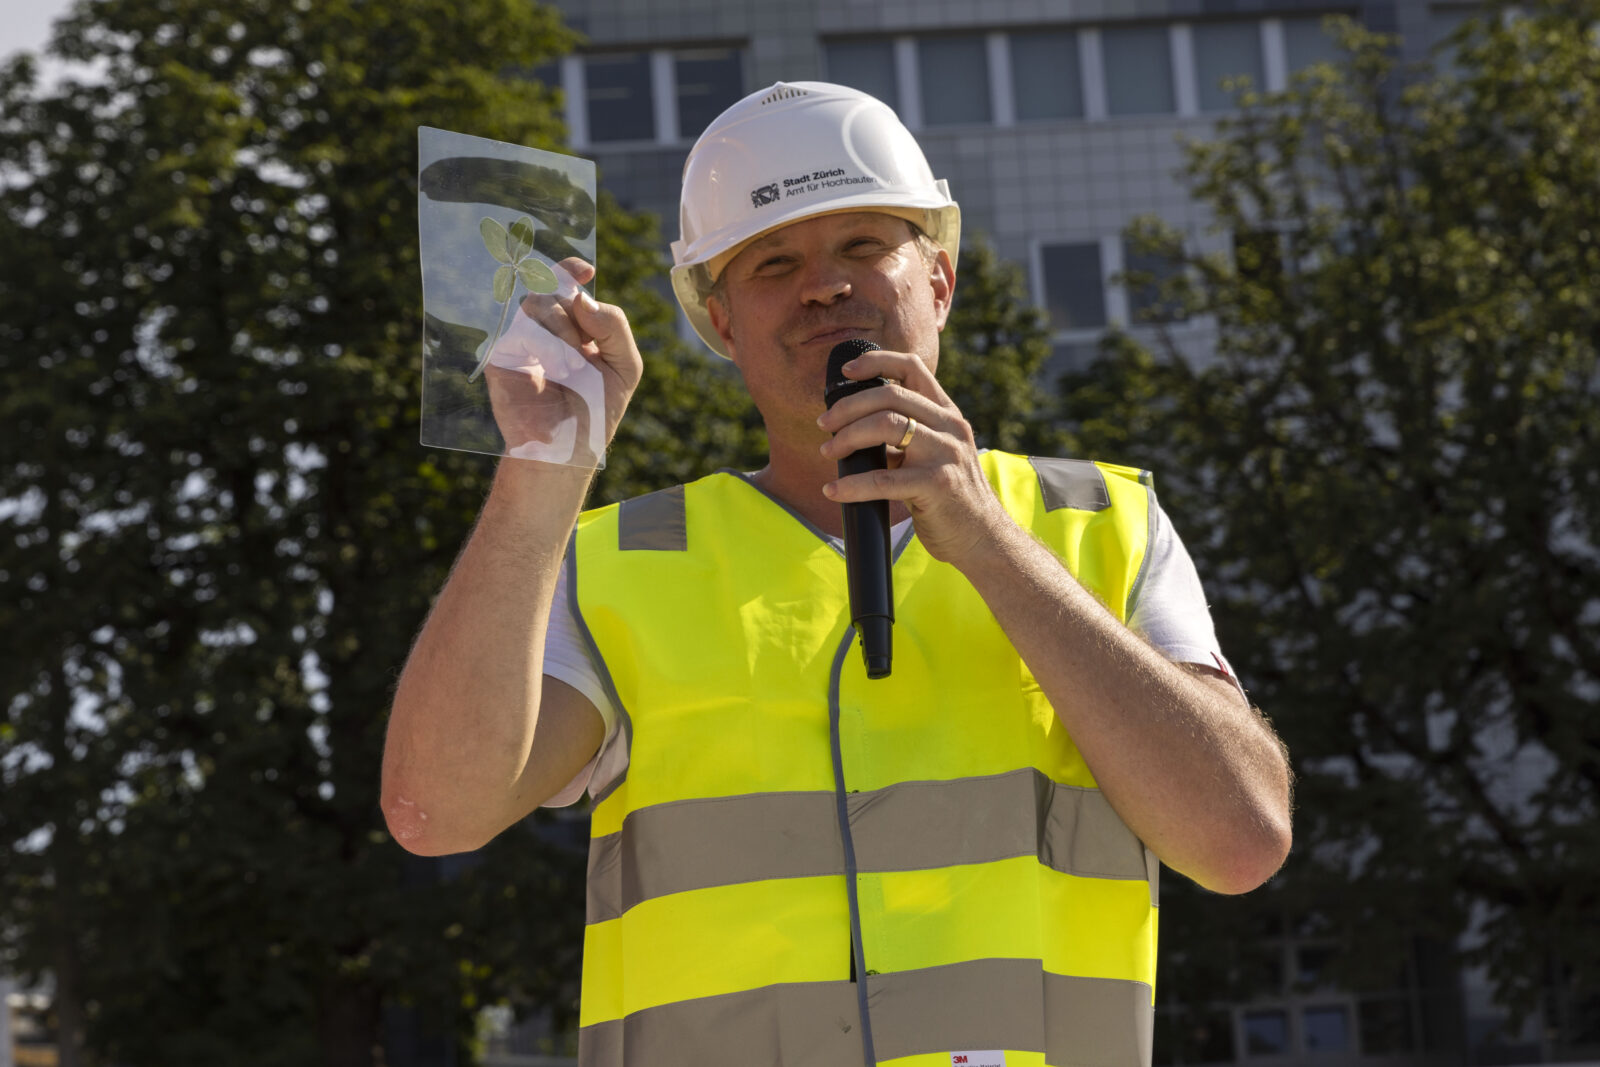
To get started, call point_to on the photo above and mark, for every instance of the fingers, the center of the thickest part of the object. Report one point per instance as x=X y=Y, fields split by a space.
x=581 y=270
x=909 y=370
x=601 y=323
x=888 y=422
x=931 y=447
x=595 y=330
x=557 y=317
x=555 y=311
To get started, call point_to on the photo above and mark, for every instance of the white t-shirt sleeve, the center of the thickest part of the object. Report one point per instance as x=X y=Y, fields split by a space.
x=1171 y=611
x=567 y=658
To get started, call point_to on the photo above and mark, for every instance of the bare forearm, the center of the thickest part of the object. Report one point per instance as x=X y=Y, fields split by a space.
x=456 y=760
x=1191 y=768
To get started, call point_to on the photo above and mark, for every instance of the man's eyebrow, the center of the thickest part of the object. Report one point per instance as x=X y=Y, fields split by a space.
x=767 y=240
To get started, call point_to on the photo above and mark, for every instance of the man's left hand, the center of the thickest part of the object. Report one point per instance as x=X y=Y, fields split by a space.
x=936 y=474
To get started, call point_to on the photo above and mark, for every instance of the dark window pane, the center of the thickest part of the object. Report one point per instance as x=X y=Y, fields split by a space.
x=617 y=89
x=1266 y=1033
x=955 y=80
x=1385 y=1026
x=710 y=80
x=1305 y=43
x=1138 y=62
x=1074 y=291
x=864 y=65
x=1069 y=358
x=547 y=74
x=1327 y=1028
x=1145 y=275
x=1443 y=21
x=1226 y=50
x=1046 y=81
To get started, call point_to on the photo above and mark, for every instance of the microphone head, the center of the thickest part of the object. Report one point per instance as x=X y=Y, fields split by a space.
x=843 y=353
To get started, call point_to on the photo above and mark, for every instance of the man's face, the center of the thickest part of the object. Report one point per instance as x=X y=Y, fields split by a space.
x=787 y=298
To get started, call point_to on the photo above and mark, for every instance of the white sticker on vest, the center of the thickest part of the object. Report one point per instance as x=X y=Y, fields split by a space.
x=977 y=1059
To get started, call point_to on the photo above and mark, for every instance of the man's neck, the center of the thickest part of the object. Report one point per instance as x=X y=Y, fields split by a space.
x=796 y=481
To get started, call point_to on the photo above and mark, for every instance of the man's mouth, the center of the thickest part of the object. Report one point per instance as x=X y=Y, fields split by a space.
x=834 y=334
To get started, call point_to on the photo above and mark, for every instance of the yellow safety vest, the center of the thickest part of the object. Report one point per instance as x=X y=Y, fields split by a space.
x=803 y=866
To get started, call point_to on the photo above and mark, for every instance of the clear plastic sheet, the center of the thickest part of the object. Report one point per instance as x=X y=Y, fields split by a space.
x=496 y=221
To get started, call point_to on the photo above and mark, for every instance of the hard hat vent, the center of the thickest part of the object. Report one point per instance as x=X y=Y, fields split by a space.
x=785 y=93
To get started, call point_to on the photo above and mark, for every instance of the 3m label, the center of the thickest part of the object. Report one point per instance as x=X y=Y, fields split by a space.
x=977 y=1059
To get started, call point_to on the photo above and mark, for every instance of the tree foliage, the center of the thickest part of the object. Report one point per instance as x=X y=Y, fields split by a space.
x=221 y=534
x=1390 y=474
x=993 y=349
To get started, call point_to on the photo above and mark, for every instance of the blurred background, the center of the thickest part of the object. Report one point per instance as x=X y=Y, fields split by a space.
x=1329 y=270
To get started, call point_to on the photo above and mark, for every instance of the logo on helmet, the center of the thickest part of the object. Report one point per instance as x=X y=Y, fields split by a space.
x=767 y=194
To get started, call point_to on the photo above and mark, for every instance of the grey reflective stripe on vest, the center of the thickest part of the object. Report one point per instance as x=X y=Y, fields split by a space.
x=1071 y=483
x=697 y=844
x=656 y=521
x=793 y=1024
x=979 y=1004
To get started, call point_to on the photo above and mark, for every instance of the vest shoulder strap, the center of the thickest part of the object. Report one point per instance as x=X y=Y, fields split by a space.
x=1071 y=483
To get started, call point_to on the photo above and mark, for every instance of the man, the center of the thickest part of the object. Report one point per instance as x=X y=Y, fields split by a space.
x=792 y=863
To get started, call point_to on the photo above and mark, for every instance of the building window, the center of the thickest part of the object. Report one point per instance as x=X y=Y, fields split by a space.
x=865 y=65
x=1146 y=275
x=1305 y=42
x=617 y=97
x=1266 y=1032
x=709 y=81
x=1226 y=50
x=1138 y=67
x=954 y=74
x=1046 y=77
x=1443 y=21
x=1073 y=286
x=1327 y=1028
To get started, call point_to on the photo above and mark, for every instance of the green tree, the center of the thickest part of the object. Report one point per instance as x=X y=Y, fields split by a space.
x=221 y=534
x=1390 y=475
x=992 y=352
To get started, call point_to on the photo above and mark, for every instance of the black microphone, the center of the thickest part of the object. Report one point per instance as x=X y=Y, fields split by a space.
x=866 y=526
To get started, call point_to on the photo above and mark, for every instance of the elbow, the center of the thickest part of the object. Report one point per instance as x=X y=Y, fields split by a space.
x=414 y=830
x=1249 y=859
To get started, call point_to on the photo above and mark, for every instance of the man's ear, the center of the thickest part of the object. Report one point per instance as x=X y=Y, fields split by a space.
x=942 y=277
x=722 y=322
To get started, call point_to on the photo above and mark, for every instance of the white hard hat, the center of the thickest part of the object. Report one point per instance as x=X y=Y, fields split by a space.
x=787 y=153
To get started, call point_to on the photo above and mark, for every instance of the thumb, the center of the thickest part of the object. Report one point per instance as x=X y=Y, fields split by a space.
x=604 y=324
x=610 y=336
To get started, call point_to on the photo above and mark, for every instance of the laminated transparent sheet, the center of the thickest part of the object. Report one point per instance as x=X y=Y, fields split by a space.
x=495 y=222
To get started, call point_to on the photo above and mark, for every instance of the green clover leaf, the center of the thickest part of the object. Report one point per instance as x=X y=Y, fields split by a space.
x=521 y=238
x=494 y=239
x=504 y=281
x=536 y=276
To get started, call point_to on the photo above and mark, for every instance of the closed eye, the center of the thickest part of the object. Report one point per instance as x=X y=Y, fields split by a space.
x=773 y=264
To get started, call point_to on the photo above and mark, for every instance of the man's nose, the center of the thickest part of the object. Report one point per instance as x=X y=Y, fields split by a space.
x=824 y=283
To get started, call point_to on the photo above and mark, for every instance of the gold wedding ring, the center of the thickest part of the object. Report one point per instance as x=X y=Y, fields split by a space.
x=911 y=429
